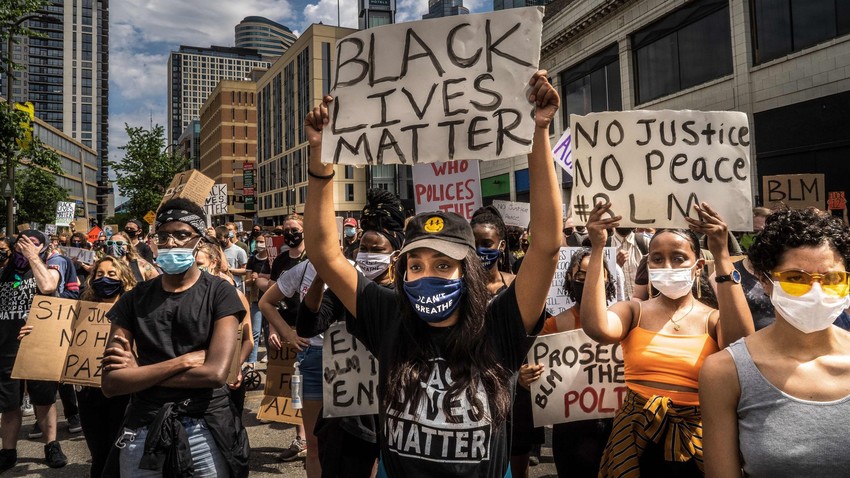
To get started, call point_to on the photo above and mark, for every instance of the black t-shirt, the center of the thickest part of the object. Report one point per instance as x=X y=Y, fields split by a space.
x=283 y=263
x=425 y=442
x=260 y=266
x=166 y=325
x=144 y=251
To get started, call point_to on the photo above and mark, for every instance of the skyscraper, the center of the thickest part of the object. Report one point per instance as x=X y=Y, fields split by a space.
x=66 y=77
x=445 y=8
x=269 y=38
x=193 y=74
x=505 y=4
x=374 y=13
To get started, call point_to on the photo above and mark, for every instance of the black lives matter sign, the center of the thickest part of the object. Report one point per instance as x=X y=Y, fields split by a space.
x=435 y=90
x=655 y=165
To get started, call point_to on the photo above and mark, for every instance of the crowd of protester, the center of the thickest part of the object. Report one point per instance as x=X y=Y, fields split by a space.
x=735 y=347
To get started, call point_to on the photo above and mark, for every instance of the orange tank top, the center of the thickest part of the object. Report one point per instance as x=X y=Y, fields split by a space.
x=666 y=358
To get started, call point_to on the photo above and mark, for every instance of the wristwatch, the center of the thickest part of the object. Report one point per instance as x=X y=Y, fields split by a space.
x=734 y=277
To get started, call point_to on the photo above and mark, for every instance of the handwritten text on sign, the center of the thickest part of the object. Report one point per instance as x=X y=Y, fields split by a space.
x=655 y=165
x=435 y=90
x=276 y=405
x=581 y=380
x=349 y=377
x=216 y=203
x=797 y=191
x=558 y=301
x=65 y=213
x=452 y=186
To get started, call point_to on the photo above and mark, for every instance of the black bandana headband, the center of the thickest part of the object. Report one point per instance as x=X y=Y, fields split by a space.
x=198 y=223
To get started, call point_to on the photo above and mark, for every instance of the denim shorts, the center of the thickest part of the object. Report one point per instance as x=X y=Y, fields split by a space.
x=310 y=366
x=206 y=457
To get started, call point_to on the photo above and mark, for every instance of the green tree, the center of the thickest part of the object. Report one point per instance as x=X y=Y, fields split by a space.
x=36 y=190
x=146 y=170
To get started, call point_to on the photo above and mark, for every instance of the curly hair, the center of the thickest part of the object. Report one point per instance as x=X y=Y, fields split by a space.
x=125 y=275
x=789 y=229
x=575 y=261
x=468 y=351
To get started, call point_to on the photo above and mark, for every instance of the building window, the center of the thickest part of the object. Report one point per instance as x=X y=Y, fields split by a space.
x=349 y=192
x=785 y=26
x=593 y=85
x=686 y=48
x=349 y=172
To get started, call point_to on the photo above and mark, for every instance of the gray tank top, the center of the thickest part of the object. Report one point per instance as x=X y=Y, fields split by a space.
x=780 y=435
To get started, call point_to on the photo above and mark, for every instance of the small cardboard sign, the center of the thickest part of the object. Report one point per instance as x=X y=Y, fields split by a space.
x=90 y=336
x=216 y=203
x=837 y=201
x=192 y=185
x=350 y=377
x=80 y=225
x=236 y=363
x=23 y=227
x=276 y=405
x=582 y=379
x=65 y=213
x=797 y=191
x=453 y=186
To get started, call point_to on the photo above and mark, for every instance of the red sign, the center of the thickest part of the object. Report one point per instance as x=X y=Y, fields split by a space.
x=837 y=201
x=247 y=191
x=94 y=234
x=247 y=166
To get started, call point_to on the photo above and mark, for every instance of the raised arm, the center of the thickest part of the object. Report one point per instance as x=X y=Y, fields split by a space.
x=601 y=324
x=319 y=218
x=534 y=278
x=735 y=320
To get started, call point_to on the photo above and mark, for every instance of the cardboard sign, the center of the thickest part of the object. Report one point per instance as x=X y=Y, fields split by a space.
x=80 y=225
x=42 y=353
x=582 y=379
x=435 y=90
x=91 y=333
x=81 y=255
x=50 y=229
x=276 y=405
x=192 y=185
x=454 y=186
x=563 y=153
x=655 y=165
x=65 y=213
x=797 y=191
x=350 y=377
x=236 y=363
x=837 y=201
x=558 y=301
x=216 y=202
x=23 y=227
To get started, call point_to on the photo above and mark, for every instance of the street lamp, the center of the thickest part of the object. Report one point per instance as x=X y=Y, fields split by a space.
x=10 y=78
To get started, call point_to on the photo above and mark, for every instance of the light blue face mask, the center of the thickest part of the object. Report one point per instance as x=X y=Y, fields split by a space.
x=176 y=260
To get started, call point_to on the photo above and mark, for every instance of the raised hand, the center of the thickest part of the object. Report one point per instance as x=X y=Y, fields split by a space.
x=712 y=225
x=316 y=120
x=597 y=227
x=545 y=97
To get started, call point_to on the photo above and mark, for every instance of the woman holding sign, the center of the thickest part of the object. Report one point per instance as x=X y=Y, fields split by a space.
x=665 y=341
x=778 y=403
x=447 y=357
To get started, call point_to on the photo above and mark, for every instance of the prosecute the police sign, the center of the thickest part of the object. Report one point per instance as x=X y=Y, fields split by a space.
x=655 y=165
x=435 y=90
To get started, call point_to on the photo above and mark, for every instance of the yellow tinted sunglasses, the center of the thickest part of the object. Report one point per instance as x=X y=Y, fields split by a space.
x=797 y=283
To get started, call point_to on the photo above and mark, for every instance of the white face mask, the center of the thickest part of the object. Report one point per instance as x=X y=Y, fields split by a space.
x=811 y=312
x=373 y=264
x=673 y=283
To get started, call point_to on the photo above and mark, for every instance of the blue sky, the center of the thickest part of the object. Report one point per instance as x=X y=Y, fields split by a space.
x=143 y=32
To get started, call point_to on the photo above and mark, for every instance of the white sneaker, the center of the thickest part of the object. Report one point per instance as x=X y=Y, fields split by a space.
x=26 y=407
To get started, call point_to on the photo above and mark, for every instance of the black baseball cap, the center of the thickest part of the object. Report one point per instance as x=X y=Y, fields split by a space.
x=444 y=232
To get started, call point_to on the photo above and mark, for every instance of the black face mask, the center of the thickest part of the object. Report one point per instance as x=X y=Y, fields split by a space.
x=131 y=234
x=623 y=231
x=293 y=239
x=578 y=289
x=4 y=255
x=76 y=244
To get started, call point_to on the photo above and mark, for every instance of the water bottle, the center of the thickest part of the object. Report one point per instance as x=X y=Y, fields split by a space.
x=295 y=385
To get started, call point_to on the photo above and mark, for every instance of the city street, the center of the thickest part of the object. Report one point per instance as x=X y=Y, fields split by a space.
x=267 y=441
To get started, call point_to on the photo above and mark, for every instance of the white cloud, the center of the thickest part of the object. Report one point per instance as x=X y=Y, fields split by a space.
x=326 y=12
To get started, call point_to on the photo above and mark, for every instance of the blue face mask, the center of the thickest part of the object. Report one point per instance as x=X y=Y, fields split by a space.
x=106 y=287
x=489 y=257
x=176 y=260
x=434 y=298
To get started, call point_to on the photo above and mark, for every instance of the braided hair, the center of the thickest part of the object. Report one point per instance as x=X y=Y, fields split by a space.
x=384 y=213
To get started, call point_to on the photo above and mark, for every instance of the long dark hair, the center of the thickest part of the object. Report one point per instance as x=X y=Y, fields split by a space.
x=467 y=350
x=701 y=289
x=575 y=261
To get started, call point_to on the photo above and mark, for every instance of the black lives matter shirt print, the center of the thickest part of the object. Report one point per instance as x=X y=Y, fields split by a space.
x=16 y=297
x=434 y=436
